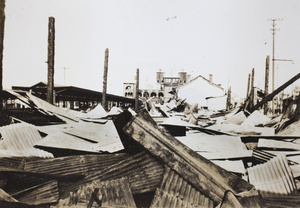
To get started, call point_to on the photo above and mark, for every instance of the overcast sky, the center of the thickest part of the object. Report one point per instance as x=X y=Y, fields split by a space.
x=226 y=38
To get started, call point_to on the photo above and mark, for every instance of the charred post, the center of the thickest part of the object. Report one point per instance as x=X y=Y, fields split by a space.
x=228 y=102
x=266 y=83
x=252 y=89
x=51 y=52
x=2 y=23
x=104 y=102
x=248 y=86
x=137 y=90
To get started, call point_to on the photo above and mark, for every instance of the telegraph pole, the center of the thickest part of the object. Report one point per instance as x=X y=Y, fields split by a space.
x=2 y=23
x=51 y=51
x=104 y=102
x=137 y=90
x=274 y=30
x=266 y=84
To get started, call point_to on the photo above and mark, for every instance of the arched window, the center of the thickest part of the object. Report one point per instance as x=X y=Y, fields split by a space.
x=153 y=94
x=160 y=94
x=146 y=94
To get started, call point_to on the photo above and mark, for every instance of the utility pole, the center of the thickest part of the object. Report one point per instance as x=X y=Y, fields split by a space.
x=248 y=86
x=51 y=49
x=274 y=30
x=137 y=90
x=266 y=83
x=2 y=23
x=252 y=89
x=104 y=102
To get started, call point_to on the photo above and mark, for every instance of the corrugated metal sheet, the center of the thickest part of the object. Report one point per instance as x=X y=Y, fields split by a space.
x=112 y=193
x=39 y=194
x=13 y=162
x=202 y=142
x=273 y=177
x=261 y=156
x=81 y=165
x=283 y=201
x=283 y=144
x=176 y=192
x=235 y=166
x=143 y=171
x=41 y=104
x=105 y=135
x=64 y=141
x=19 y=140
x=291 y=130
x=211 y=179
x=237 y=119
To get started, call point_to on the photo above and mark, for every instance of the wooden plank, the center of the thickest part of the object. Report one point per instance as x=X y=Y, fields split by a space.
x=207 y=177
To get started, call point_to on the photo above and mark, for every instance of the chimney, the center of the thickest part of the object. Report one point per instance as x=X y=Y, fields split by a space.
x=210 y=78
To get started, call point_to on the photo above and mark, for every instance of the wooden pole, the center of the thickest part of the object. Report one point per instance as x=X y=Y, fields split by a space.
x=252 y=89
x=104 y=102
x=274 y=93
x=266 y=84
x=51 y=52
x=228 y=99
x=2 y=23
x=137 y=90
x=248 y=86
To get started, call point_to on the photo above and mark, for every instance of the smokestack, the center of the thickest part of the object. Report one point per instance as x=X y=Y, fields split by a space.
x=210 y=78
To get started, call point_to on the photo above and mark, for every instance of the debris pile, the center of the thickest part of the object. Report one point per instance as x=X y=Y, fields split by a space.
x=171 y=155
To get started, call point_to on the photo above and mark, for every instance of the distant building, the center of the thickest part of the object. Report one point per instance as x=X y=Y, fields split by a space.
x=72 y=97
x=198 y=90
x=165 y=89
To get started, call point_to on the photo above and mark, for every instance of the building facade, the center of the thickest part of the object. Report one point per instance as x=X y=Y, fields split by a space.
x=166 y=87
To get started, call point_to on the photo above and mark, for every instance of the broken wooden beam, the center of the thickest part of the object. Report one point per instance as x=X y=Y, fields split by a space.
x=212 y=180
x=274 y=93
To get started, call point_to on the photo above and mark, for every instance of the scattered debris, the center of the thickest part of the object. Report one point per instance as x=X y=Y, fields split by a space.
x=172 y=154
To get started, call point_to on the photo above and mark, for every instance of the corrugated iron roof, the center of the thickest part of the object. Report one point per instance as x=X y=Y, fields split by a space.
x=143 y=171
x=81 y=165
x=207 y=177
x=237 y=119
x=282 y=144
x=105 y=135
x=261 y=156
x=176 y=192
x=41 y=104
x=68 y=142
x=39 y=194
x=19 y=140
x=273 y=177
x=112 y=193
x=283 y=201
x=291 y=130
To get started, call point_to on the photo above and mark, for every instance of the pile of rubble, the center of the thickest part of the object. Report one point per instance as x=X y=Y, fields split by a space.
x=171 y=155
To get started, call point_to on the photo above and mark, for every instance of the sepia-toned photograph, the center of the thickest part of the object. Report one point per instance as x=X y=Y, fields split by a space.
x=150 y=104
